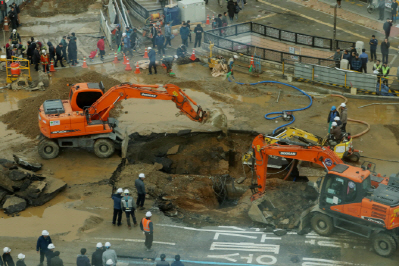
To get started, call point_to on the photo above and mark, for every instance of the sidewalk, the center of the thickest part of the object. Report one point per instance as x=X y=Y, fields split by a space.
x=354 y=11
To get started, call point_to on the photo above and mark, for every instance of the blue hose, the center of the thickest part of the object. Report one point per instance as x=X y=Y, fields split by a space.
x=279 y=114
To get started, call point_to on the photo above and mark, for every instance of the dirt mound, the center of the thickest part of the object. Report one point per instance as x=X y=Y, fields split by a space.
x=91 y=222
x=47 y=8
x=24 y=120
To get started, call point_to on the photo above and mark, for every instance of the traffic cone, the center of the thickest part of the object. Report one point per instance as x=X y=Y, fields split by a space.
x=193 y=55
x=84 y=62
x=128 y=68
x=5 y=24
x=163 y=65
x=207 y=21
x=145 y=53
x=52 y=69
x=116 y=59
x=252 y=62
x=124 y=59
x=137 y=69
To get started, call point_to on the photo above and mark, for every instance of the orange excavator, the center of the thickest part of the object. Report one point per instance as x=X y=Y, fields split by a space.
x=350 y=198
x=83 y=120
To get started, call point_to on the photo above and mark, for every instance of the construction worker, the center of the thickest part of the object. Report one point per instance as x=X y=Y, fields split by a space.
x=128 y=206
x=45 y=60
x=333 y=113
x=139 y=183
x=177 y=261
x=15 y=39
x=162 y=262
x=56 y=260
x=50 y=253
x=97 y=257
x=64 y=48
x=109 y=254
x=148 y=230
x=7 y=259
x=51 y=51
x=42 y=243
x=385 y=72
x=377 y=66
x=231 y=63
x=101 y=47
x=336 y=132
x=21 y=260
x=13 y=16
x=344 y=116
x=59 y=51
x=152 y=57
x=117 y=206
x=338 y=121
x=181 y=52
x=82 y=259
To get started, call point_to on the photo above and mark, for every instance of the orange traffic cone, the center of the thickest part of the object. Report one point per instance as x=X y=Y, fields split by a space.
x=52 y=69
x=116 y=59
x=163 y=65
x=124 y=59
x=252 y=62
x=128 y=68
x=193 y=55
x=137 y=69
x=5 y=24
x=145 y=53
x=207 y=21
x=84 y=62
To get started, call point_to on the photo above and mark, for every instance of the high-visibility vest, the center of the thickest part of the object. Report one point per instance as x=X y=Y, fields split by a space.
x=377 y=67
x=127 y=203
x=15 y=37
x=146 y=225
x=385 y=70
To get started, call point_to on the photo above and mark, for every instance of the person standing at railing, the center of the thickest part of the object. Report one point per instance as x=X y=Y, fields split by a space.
x=385 y=72
x=356 y=63
x=337 y=58
x=365 y=59
x=373 y=48
x=385 y=50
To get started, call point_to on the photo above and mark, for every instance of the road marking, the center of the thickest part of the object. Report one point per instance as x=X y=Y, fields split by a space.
x=267 y=16
x=209 y=230
x=226 y=257
x=322 y=262
x=393 y=59
x=232 y=227
x=135 y=240
x=216 y=237
x=244 y=246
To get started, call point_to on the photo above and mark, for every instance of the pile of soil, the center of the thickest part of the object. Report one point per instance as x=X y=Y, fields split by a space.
x=47 y=8
x=25 y=121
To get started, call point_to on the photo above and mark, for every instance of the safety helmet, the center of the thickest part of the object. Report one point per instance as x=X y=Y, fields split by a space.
x=14 y=30
x=124 y=34
x=149 y=48
x=6 y=250
x=334 y=124
x=21 y=256
x=235 y=56
x=141 y=175
x=99 y=245
x=107 y=244
x=343 y=104
x=50 y=246
x=120 y=190
x=148 y=214
x=45 y=233
x=337 y=118
x=43 y=51
x=126 y=191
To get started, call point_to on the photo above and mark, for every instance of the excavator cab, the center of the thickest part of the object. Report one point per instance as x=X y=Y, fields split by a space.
x=83 y=95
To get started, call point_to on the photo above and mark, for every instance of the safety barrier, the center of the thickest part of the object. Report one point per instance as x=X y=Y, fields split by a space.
x=105 y=29
x=282 y=35
x=24 y=64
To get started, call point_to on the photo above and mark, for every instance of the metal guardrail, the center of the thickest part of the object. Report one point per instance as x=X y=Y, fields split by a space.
x=282 y=35
x=142 y=11
x=105 y=29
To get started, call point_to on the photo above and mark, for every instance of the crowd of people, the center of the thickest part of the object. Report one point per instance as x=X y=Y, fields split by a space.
x=102 y=256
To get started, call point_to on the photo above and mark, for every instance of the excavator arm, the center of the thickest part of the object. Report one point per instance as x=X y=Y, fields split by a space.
x=292 y=132
x=101 y=108
x=322 y=156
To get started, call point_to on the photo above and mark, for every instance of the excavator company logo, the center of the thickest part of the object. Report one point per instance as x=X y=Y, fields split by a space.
x=148 y=95
x=65 y=131
x=328 y=162
x=288 y=153
x=374 y=220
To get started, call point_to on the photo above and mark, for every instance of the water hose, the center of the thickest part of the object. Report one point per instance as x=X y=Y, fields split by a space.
x=354 y=120
x=280 y=114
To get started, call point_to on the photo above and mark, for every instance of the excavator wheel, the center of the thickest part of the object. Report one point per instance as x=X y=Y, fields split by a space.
x=104 y=148
x=48 y=149
x=354 y=157
x=322 y=224
x=384 y=244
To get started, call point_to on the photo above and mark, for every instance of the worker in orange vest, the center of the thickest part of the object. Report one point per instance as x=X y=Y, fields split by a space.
x=148 y=230
x=44 y=58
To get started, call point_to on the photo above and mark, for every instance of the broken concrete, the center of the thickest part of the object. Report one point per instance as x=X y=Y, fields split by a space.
x=14 y=204
x=27 y=164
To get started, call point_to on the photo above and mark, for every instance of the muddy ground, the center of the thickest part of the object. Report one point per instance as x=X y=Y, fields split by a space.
x=47 y=8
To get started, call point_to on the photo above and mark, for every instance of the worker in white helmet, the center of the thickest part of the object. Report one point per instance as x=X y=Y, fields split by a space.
x=42 y=243
x=21 y=260
x=97 y=257
x=129 y=207
x=148 y=230
x=139 y=183
x=337 y=120
x=109 y=254
x=7 y=259
x=344 y=116
x=50 y=253
x=336 y=132
x=117 y=206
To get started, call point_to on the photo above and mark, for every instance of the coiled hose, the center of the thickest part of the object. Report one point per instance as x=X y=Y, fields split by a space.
x=280 y=114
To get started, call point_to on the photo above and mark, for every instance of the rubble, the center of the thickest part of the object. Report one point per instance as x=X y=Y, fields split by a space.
x=20 y=188
x=27 y=163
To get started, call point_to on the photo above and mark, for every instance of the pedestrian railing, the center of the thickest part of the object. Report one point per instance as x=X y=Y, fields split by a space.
x=282 y=35
x=106 y=30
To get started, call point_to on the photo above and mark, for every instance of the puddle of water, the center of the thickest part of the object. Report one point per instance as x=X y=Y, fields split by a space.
x=9 y=99
x=262 y=101
x=377 y=114
x=57 y=219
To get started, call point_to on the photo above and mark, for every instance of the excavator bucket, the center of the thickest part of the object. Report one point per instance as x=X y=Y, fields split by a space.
x=216 y=118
